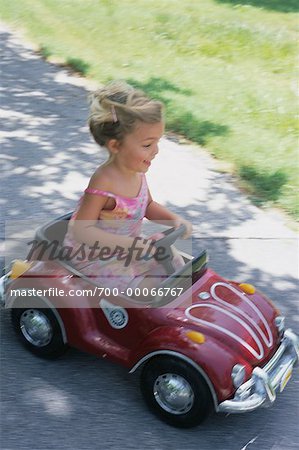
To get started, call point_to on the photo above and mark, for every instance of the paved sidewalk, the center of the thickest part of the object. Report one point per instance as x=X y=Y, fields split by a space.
x=49 y=157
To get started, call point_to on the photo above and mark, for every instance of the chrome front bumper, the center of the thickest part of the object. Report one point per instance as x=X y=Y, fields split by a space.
x=265 y=382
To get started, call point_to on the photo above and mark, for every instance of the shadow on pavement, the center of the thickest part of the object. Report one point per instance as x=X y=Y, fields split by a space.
x=48 y=158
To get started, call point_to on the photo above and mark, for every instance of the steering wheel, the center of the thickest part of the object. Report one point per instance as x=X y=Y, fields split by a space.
x=164 y=254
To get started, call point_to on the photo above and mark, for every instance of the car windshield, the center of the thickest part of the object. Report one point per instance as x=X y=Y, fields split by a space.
x=181 y=280
x=172 y=287
x=167 y=291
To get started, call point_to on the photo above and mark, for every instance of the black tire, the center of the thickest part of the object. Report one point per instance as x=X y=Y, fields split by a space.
x=189 y=410
x=44 y=337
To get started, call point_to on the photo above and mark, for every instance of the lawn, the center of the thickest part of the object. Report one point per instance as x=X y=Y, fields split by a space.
x=225 y=69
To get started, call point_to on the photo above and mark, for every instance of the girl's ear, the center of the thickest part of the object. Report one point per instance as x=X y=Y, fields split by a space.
x=113 y=145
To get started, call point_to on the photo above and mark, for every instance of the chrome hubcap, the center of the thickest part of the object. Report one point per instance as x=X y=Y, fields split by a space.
x=36 y=327
x=173 y=393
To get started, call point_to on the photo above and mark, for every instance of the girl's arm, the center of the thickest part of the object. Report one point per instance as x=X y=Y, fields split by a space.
x=85 y=227
x=160 y=214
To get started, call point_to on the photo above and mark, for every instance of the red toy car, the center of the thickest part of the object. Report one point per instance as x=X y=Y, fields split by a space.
x=202 y=343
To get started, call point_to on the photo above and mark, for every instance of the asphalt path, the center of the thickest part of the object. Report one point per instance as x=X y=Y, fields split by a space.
x=79 y=402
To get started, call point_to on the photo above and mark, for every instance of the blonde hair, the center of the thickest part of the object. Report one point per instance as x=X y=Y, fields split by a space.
x=115 y=109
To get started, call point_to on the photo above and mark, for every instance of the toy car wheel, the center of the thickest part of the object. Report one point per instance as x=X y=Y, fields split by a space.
x=39 y=330
x=175 y=392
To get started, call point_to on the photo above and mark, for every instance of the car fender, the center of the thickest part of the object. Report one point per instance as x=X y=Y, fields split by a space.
x=211 y=359
x=44 y=303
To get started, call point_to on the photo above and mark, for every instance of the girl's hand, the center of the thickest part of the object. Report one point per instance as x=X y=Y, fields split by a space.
x=144 y=249
x=180 y=221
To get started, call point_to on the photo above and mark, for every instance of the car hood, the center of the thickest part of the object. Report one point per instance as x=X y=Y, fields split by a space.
x=241 y=322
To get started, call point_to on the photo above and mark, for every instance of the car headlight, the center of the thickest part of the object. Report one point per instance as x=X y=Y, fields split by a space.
x=238 y=375
x=280 y=324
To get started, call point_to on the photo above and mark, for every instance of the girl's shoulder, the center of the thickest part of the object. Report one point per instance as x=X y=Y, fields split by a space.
x=107 y=182
x=101 y=184
x=102 y=179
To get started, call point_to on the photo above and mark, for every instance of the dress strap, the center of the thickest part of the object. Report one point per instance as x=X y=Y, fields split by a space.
x=110 y=194
x=99 y=192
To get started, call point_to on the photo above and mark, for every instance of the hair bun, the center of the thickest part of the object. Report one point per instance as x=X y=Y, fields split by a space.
x=115 y=109
x=115 y=92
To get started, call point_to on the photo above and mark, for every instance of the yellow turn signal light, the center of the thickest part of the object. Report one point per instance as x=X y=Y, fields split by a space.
x=247 y=288
x=18 y=268
x=195 y=336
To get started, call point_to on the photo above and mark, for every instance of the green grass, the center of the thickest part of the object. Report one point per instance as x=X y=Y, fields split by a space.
x=225 y=70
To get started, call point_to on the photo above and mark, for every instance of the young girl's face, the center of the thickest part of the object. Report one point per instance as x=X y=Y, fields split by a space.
x=139 y=147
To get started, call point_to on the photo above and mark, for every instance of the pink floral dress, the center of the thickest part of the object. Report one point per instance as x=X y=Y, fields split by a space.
x=125 y=219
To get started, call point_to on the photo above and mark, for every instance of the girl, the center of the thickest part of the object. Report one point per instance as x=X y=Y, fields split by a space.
x=110 y=213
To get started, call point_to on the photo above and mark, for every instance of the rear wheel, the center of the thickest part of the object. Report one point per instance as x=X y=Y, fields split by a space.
x=176 y=392
x=39 y=331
